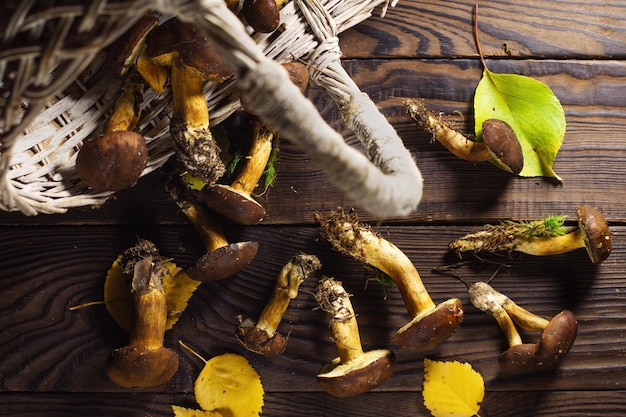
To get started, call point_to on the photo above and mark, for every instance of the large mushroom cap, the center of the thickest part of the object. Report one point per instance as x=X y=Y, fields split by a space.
x=113 y=161
x=519 y=359
x=223 y=262
x=235 y=205
x=177 y=41
x=139 y=367
x=357 y=376
x=431 y=327
x=503 y=144
x=597 y=236
x=557 y=338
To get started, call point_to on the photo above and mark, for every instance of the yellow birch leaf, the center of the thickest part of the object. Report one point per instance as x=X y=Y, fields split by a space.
x=189 y=412
x=229 y=385
x=178 y=287
x=452 y=389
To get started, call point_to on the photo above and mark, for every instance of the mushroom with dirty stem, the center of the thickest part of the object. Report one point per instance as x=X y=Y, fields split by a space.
x=192 y=60
x=354 y=372
x=145 y=362
x=222 y=259
x=430 y=324
x=557 y=335
x=115 y=159
x=592 y=233
x=234 y=201
x=261 y=337
x=499 y=142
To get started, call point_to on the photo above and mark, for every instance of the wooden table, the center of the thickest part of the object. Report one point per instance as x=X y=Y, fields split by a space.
x=51 y=358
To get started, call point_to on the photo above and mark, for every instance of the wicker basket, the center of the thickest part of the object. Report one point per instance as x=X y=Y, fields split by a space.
x=56 y=91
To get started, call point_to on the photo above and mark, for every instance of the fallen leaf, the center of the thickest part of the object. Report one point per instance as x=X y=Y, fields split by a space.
x=229 y=385
x=533 y=112
x=189 y=412
x=452 y=389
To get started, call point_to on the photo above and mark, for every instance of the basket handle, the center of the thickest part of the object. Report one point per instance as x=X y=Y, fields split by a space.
x=379 y=184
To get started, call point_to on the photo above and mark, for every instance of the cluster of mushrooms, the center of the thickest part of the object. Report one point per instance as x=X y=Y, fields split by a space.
x=174 y=56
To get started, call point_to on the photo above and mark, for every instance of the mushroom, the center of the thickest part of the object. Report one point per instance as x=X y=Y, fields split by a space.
x=261 y=337
x=234 y=201
x=192 y=60
x=354 y=372
x=123 y=53
x=430 y=324
x=262 y=15
x=145 y=362
x=592 y=233
x=115 y=159
x=557 y=335
x=499 y=142
x=222 y=259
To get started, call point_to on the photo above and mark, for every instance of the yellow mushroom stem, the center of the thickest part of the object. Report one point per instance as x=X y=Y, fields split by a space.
x=256 y=160
x=344 y=328
x=360 y=242
x=292 y=274
x=207 y=226
x=149 y=308
x=126 y=111
x=486 y=299
x=454 y=141
x=189 y=102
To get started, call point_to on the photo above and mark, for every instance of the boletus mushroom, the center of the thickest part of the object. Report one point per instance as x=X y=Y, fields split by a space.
x=222 y=259
x=430 y=324
x=592 y=233
x=354 y=372
x=235 y=201
x=499 y=141
x=557 y=334
x=193 y=61
x=115 y=159
x=144 y=362
x=261 y=337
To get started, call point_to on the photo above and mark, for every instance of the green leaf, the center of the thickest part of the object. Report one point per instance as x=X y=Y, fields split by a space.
x=531 y=109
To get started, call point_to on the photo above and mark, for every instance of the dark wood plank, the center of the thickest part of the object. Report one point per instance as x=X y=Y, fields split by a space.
x=374 y=404
x=564 y=29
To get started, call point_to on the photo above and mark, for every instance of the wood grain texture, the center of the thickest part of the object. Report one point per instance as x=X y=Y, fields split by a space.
x=51 y=358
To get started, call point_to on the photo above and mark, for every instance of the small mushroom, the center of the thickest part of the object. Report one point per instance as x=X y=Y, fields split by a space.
x=261 y=337
x=557 y=335
x=592 y=233
x=235 y=201
x=262 y=15
x=192 y=60
x=500 y=143
x=123 y=53
x=354 y=372
x=145 y=362
x=115 y=159
x=430 y=324
x=222 y=259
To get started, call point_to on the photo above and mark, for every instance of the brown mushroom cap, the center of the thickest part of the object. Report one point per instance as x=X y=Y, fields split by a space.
x=519 y=359
x=557 y=338
x=358 y=375
x=597 y=236
x=502 y=142
x=123 y=52
x=139 y=367
x=262 y=15
x=258 y=340
x=431 y=327
x=223 y=262
x=176 y=42
x=113 y=161
x=233 y=204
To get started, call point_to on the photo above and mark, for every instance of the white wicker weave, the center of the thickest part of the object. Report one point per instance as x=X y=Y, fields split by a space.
x=55 y=93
